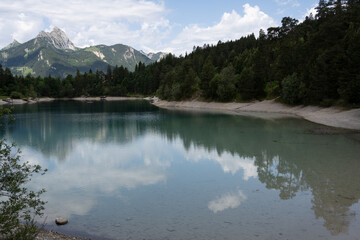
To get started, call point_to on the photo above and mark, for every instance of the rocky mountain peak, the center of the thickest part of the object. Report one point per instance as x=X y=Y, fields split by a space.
x=160 y=55
x=155 y=56
x=42 y=34
x=11 y=45
x=57 y=38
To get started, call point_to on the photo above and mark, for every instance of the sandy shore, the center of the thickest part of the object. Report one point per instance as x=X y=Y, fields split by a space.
x=28 y=101
x=333 y=116
x=99 y=98
x=21 y=101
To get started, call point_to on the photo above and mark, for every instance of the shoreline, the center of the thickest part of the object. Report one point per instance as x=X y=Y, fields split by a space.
x=31 y=101
x=49 y=234
x=332 y=116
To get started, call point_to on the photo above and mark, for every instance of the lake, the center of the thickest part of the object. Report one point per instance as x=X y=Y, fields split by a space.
x=129 y=170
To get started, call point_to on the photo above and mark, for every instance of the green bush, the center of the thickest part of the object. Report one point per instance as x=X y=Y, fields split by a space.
x=327 y=102
x=247 y=84
x=223 y=84
x=272 y=89
x=18 y=205
x=16 y=95
x=293 y=90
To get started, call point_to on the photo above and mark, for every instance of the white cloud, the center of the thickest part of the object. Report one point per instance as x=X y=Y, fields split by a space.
x=312 y=11
x=231 y=26
x=135 y=22
x=226 y=201
x=142 y=24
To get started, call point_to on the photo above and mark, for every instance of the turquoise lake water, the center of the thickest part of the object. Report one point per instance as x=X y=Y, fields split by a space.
x=129 y=170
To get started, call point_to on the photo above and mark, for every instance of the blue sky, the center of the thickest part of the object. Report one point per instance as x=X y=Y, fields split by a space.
x=149 y=25
x=209 y=12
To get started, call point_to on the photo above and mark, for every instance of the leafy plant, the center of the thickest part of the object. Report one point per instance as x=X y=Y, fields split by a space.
x=15 y=95
x=293 y=89
x=18 y=205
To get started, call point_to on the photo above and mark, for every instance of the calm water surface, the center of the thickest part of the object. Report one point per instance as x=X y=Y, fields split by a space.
x=128 y=170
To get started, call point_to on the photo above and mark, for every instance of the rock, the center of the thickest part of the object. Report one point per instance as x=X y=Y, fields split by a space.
x=61 y=221
x=57 y=38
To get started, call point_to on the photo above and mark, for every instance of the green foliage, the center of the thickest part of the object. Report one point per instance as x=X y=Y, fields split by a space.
x=293 y=90
x=350 y=92
x=207 y=73
x=24 y=70
x=16 y=95
x=226 y=89
x=272 y=90
x=5 y=112
x=247 y=84
x=18 y=205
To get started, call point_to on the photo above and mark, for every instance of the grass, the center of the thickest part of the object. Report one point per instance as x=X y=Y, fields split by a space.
x=135 y=95
x=92 y=48
x=29 y=52
x=25 y=70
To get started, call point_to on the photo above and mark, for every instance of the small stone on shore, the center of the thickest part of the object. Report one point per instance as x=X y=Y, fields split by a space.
x=61 y=221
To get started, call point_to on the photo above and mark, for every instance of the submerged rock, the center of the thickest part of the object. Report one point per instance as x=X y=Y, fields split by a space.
x=61 y=221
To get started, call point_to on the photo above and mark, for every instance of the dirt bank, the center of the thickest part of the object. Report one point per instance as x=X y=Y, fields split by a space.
x=29 y=101
x=333 y=116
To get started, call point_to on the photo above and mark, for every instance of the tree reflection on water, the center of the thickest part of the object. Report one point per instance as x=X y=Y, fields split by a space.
x=287 y=157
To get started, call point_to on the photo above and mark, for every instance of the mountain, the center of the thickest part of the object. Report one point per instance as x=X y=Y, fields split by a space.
x=156 y=57
x=57 y=38
x=11 y=45
x=52 y=53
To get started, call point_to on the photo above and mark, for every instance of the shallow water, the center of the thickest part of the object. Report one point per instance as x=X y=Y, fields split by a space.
x=128 y=170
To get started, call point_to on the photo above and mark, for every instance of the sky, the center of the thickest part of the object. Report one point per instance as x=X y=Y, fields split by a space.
x=149 y=25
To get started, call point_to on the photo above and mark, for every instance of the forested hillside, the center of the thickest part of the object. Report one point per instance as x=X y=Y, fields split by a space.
x=313 y=62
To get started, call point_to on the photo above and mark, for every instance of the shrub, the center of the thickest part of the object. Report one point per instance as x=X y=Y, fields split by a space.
x=18 y=205
x=15 y=95
x=293 y=90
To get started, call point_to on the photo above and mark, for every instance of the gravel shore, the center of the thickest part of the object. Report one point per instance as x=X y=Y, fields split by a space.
x=30 y=101
x=333 y=116
x=51 y=235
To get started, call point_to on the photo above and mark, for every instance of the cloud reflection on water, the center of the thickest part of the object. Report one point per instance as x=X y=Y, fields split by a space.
x=105 y=153
x=93 y=169
x=230 y=163
x=226 y=201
